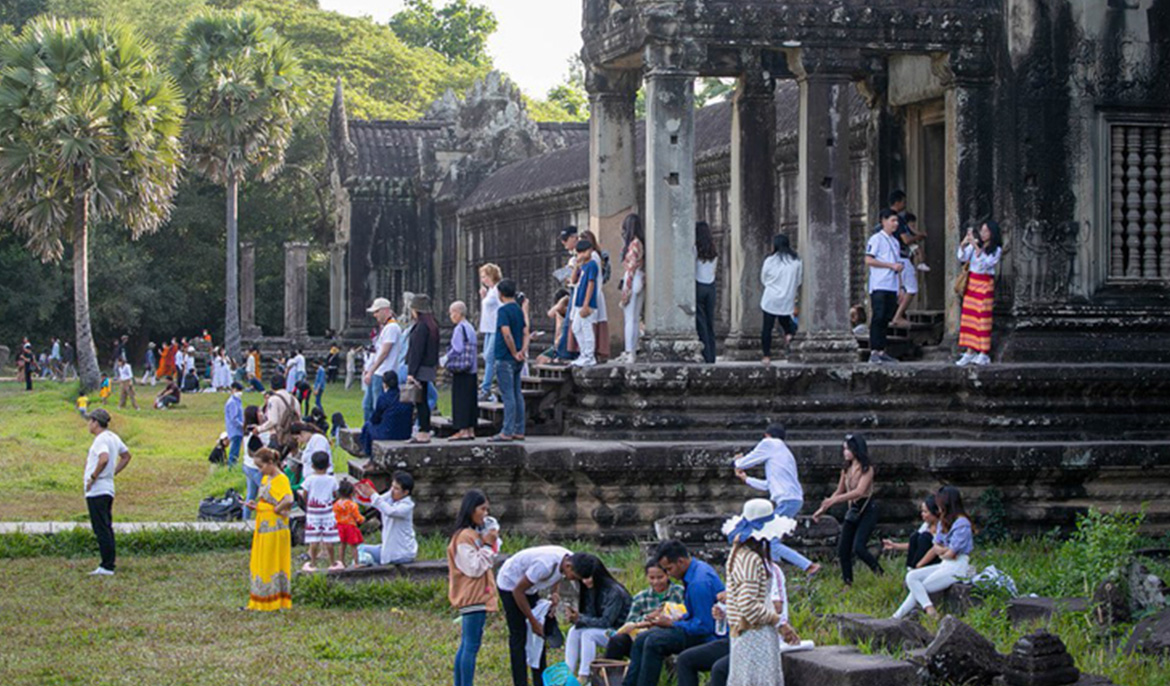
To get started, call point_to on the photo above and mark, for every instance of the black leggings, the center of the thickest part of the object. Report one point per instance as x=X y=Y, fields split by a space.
x=786 y=323
x=705 y=319
x=424 y=414
x=854 y=540
x=920 y=545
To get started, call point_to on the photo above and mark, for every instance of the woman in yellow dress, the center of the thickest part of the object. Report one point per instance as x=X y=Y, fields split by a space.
x=271 y=563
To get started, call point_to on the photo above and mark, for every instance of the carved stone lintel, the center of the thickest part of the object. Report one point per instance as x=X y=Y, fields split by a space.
x=620 y=83
x=682 y=57
x=845 y=63
x=966 y=66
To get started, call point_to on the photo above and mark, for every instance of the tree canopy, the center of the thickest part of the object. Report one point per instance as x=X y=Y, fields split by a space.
x=459 y=30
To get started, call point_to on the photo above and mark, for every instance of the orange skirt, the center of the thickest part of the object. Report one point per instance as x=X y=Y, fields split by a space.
x=975 y=323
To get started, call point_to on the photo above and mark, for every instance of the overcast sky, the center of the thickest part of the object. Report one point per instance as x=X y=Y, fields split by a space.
x=533 y=43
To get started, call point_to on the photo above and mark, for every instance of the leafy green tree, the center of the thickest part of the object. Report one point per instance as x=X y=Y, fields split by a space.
x=242 y=83
x=458 y=31
x=90 y=128
x=16 y=13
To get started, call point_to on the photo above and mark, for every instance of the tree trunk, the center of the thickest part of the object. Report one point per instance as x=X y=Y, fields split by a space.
x=231 y=326
x=87 y=363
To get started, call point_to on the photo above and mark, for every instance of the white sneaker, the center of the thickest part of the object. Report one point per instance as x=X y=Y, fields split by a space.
x=924 y=267
x=582 y=362
x=967 y=358
x=875 y=358
x=102 y=571
x=982 y=360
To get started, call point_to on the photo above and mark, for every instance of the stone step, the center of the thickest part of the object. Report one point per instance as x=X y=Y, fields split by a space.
x=359 y=467
x=846 y=666
x=442 y=427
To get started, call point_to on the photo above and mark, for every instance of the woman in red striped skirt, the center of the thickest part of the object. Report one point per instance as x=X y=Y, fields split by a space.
x=981 y=251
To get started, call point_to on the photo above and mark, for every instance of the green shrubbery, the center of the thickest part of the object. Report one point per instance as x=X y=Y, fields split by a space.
x=1101 y=545
x=80 y=542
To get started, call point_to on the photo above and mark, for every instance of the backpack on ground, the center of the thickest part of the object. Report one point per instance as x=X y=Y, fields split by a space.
x=229 y=508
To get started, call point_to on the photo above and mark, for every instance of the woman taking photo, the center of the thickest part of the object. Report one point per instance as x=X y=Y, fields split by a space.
x=271 y=564
x=752 y=616
x=633 y=284
x=953 y=544
x=706 y=259
x=981 y=254
x=471 y=583
x=422 y=361
x=856 y=488
x=602 y=605
x=781 y=276
x=920 y=548
x=462 y=364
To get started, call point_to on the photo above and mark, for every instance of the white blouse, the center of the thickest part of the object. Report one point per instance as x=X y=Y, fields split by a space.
x=981 y=262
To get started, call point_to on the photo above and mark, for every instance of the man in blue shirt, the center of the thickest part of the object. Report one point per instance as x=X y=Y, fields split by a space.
x=511 y=345
x=233 y=422
x=671 y=637
x=584 y=314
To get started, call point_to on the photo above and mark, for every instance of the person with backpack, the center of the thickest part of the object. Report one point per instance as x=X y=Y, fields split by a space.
x=461 y=363
x=280 y=413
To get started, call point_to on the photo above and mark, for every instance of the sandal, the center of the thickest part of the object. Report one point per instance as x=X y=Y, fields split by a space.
x=416 y=441
x=460 y=438
x=500 y=438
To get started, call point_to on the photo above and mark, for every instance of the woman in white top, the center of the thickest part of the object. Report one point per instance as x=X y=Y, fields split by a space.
x=981 y=253
x=489 y=304
x=706 y=259
x=781 y=276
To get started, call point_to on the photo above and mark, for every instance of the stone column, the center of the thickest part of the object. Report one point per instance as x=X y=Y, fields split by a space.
x=970 y=121
x=613 y=182
x=823 y=204
x=338 y=288
x=248 y=328
x=753 y=203
x=296 y=286
x=670 y=204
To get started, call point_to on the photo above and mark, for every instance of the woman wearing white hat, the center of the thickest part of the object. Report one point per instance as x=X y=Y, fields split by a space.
x=751 y=614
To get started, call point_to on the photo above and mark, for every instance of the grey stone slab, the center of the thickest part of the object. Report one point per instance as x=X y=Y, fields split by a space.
x=1022 y=610
x=887 y=633
x=845 y=666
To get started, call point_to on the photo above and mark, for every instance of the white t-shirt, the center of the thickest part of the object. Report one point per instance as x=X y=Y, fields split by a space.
x=106 y=442
x=884 y=248
x=125 y=373
x=248 y=460
x=705 y=270
x=319 y=490
x=318 y=443
x=540 y=565
x=781 y=278
x=298 y=363
x=489 y=307
x=390 y=335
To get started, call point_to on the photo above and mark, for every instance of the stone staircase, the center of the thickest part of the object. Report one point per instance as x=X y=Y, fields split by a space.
x=544 y=392
x=910 y=343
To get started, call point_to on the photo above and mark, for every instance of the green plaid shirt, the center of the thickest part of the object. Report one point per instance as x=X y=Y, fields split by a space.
x=647 y=601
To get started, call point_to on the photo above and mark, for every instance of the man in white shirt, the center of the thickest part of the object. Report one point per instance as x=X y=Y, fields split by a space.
x=782 y=483
x=126 y=383
x=107 y=457
x=884 y=258
x=520 y=581
x=396 y=508
x=385 y=353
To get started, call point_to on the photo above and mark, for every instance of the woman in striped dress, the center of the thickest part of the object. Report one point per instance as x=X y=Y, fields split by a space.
x=752 y=617
x=981 y=253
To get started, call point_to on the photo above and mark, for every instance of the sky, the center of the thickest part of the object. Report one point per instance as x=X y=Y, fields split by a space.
x=533 y=43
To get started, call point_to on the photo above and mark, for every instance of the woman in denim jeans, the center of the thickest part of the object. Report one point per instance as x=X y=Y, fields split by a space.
x=856 y=488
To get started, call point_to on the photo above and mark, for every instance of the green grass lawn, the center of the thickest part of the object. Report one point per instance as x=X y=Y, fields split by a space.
x=43 y=445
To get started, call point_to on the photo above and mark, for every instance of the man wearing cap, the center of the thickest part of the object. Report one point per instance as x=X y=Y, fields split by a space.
x=108 y=456
x=385 y=353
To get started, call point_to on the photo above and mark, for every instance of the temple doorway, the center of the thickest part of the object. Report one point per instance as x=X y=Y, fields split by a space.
x=926 y=195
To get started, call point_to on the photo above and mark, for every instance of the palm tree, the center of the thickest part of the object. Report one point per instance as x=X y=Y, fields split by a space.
x=90 y=128
x=242 y=84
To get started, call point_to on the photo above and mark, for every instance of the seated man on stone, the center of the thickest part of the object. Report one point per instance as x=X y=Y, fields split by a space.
x=649 y=601
x=671 y=637
x=391 y=420
x=396 y=509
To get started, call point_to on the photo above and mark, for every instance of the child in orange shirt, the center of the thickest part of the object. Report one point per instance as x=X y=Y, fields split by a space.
x=349 y=518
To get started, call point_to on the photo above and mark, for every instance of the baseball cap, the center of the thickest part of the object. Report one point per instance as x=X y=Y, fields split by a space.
x=379 y=304
x=567 y=232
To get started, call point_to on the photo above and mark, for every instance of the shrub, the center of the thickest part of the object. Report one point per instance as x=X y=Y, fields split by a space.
x=80 y=542
x=1101 y=544
x=315 y=590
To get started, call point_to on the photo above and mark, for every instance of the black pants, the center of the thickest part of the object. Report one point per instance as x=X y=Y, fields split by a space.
x=854 y=541
x=705 y=318
x=920 y=545
x=619 y=647
x=883 y=304
x=424 y=413
x=101 y=518
x=714 y=657
x=27 y=377
x=518 y=640
x=787 y=324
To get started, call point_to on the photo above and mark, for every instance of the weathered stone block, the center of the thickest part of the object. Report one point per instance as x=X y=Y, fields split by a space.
x=1040 y=659
x=890 y=634
x=1022 y=610
x=956 y=600
x=845 y=666
x=1151 y=635
x=961 y=655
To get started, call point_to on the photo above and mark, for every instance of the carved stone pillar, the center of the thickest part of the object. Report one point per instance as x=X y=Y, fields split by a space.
x=613 y=182
x=753 y=201
x=970 y=146
x=670 y=204
x=338 y=291
x=248 y=328
x=296 y=286
x=823 y=203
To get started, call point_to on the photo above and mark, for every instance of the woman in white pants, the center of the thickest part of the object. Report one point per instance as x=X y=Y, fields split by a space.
x=633 y=284
x=953 y=544
x=602 y=606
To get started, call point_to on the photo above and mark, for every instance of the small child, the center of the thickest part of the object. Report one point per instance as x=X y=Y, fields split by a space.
x=320 y=524
x=319 y=384
x=82 y=403
x=349 y=518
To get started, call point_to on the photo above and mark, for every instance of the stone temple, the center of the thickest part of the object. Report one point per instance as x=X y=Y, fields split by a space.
x=1050 y=116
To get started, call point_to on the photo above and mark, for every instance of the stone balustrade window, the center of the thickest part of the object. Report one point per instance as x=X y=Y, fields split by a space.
x=1139 y=202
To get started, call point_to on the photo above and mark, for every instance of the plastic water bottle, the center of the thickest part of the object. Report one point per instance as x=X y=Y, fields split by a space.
x=721 y=623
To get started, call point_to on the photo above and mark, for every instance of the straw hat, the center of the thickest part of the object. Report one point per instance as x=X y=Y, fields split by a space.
x=759 y=521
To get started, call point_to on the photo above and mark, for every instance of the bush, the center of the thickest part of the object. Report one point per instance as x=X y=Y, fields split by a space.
x=1099 y=547
x=315 y=590
x=80 y=542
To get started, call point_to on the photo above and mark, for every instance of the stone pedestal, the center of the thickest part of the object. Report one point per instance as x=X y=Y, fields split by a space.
x=753 y=219
x=296 y=286
x=823 y=206
x=613 y=183
x=670 y=205
x=248 y=328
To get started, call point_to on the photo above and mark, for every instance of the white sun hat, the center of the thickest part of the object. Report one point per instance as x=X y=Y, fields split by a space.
x=759 y=521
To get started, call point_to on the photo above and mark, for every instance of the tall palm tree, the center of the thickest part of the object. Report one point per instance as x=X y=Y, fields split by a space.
x=90 y=128
x=242 y=83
